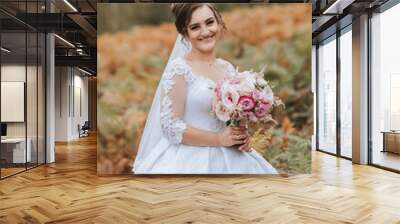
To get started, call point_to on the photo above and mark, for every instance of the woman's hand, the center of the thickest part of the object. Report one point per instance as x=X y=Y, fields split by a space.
x=246 y=146
x=234 y=136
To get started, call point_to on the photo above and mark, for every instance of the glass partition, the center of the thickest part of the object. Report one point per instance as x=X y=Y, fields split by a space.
x=22 y=88
x=327 y=95
x=31 y=100
x=41 y=87
x=346 y=93
x=13 y=105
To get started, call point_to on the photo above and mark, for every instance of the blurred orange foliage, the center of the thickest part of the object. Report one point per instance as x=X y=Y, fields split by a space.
x=258 y=24
x=130 y=64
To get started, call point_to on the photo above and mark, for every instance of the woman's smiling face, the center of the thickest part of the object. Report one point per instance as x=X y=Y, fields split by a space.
x=203 y=30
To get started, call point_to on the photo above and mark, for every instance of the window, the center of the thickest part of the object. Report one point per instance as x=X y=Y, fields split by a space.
x=385 y=88
x=327 y=96
x=346 y=93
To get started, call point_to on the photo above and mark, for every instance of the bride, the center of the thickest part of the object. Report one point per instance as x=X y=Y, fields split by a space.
x=181 y=136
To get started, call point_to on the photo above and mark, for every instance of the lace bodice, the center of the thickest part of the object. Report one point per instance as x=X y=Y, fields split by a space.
x=187 y=100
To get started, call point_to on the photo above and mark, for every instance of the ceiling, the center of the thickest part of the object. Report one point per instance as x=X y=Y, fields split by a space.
x=75 y=21
x=332 y=15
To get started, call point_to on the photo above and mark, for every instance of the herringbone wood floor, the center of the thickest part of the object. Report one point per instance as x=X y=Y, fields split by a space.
x=69 y=191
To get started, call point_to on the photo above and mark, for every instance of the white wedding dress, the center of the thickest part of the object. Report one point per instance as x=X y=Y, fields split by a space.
x=186 y=100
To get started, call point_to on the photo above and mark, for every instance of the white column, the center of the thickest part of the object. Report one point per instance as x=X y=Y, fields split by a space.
x=50 y=92
x=360 y=90
x=50 y=110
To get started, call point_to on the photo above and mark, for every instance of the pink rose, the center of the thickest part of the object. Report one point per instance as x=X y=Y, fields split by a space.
x=218 y=89
x=246 y=103
x=262 y=109
x=219 y=94
x=257 y=95
x=219 y=84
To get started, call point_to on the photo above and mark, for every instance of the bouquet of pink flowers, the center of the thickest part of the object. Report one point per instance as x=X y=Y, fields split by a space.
x=245 y=96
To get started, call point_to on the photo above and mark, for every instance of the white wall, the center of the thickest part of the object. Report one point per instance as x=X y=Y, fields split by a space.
x=70 y=83
x=12 y=101
x=61 y=103
x=80 y=118
x=33 y=126
x=16 y=73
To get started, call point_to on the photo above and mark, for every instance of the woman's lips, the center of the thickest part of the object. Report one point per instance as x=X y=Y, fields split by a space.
x=207 y=39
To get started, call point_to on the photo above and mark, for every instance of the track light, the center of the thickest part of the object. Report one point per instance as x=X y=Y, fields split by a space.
x=64 y=40
x=5 y=50
x=70 y=5
x=337 y=7
x=84 y=71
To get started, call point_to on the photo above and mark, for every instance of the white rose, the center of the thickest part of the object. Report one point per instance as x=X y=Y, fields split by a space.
x=261 y=82
x=268 y=95
x=222 y=112
x=230 y=96
x=246 y=86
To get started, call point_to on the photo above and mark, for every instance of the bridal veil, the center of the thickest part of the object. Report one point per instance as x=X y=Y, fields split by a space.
x=152 y=132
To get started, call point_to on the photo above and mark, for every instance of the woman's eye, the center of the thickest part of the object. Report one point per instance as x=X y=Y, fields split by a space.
x=194 y=27
x=210 y=22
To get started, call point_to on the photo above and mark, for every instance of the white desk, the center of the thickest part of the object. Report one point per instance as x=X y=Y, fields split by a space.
x=18 y=151
x=391 y=141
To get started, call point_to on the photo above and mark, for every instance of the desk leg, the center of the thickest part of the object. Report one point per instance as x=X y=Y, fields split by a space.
x=384 y=142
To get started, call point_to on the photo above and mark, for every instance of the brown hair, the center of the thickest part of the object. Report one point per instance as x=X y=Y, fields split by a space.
x=183 y=13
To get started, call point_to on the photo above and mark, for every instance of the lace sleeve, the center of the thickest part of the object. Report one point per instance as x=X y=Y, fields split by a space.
x=174 y=86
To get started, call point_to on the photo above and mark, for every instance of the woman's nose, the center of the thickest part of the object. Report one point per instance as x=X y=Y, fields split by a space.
x=205 y=32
